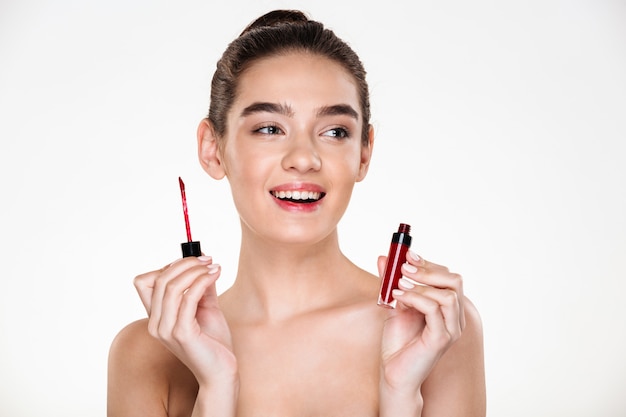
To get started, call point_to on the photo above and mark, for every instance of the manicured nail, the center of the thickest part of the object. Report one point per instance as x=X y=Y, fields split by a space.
x=409 y=268
x=204 y=258
x=397 y=293
x=213 y=268
x=414 y=256
x=406 y=284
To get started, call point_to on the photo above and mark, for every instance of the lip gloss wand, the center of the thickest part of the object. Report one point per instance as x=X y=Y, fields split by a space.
x=191 y=247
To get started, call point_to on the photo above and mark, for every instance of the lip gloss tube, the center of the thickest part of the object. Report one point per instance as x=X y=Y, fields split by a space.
x=400 y=244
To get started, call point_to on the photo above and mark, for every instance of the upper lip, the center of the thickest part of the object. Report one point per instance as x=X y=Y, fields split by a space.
x=299 y=186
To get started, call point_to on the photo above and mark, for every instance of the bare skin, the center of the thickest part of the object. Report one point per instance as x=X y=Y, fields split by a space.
x=299 y=332
x=332 y=354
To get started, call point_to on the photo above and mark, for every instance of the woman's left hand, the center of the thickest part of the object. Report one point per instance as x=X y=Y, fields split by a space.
x=427 y=320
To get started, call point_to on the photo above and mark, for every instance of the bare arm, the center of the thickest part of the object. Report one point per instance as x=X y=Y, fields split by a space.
x=146 y=379
x=432 y=352
x=181 y=355
x=456 y=385
x=137 y=384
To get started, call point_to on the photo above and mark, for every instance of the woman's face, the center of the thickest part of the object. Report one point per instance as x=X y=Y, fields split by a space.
x=293 y=149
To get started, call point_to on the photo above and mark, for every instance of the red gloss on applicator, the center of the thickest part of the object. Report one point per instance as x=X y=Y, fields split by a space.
x=400 y=244
x=191 y=247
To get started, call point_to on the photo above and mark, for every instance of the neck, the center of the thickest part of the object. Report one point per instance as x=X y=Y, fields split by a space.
x=276 y=280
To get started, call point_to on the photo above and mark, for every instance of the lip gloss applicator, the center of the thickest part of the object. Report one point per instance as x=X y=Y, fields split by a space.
x=400 y=244
x=191 y=247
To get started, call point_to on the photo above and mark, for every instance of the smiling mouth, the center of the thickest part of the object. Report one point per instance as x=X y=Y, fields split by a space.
x=300 y=197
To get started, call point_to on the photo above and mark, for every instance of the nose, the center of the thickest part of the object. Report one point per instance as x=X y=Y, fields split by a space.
x=301 y=155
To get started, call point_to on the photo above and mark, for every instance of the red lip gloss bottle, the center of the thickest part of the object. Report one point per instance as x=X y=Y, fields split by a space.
x=400 y=244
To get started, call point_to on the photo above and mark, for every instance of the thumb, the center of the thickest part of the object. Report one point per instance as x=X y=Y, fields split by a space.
x=382 y=260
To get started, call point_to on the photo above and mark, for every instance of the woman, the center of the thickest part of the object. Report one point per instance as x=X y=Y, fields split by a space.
x=299 y=333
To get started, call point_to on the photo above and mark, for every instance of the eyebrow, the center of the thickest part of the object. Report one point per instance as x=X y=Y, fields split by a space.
x=338 y=110
x=286 y=110
x=264 y=107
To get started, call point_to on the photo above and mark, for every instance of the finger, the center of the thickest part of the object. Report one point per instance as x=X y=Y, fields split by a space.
x=439 y=278
x=175 y=269
x=175 y=289
x=430 y=273
x=191 y=300
x=144 y=284
x=435 y=334
x=416 y=260
x=448 y=301
x=382 y=261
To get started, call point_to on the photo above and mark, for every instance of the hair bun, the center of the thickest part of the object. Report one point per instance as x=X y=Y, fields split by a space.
x=277 y=18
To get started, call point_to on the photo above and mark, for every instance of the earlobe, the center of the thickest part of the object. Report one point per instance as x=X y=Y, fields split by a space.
x=366 y=155
x=209 y=150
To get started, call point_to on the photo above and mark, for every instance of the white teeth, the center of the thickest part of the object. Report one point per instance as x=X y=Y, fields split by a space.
x=297 y=195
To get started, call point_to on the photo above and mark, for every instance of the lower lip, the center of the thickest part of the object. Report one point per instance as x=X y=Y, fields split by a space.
x=297 y=207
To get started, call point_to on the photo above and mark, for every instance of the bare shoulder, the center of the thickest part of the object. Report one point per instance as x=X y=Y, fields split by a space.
x=141 y=373
x=458 y=379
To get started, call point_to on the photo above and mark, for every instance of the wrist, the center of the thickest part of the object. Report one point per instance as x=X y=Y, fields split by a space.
x=400 y=403
x=217 y=399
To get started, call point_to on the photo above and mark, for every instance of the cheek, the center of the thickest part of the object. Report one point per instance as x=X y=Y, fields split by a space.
x=234 y=158
x=348 y=164
x=246 y=166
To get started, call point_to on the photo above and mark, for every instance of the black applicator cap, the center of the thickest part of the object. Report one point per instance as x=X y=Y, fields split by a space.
x=191 y=249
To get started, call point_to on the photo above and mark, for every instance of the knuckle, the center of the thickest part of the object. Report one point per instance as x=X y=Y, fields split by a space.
x=204 y=279
x=431 y=306
x=153 y=330
x=450 y=297
x=426 y=274
x=173 y=286
x=139 y=280
x=160 y=280
x=163 y=334
x=187 y=297
x=146 y=279
x=178 y=333
x=455 y=282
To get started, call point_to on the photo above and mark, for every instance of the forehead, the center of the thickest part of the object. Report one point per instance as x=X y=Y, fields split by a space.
x=298 y=78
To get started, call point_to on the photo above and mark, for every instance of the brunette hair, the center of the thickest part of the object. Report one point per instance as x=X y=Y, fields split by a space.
x=275 y=33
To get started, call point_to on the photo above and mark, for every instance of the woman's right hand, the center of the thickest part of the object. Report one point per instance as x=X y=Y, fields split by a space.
x=182 y=305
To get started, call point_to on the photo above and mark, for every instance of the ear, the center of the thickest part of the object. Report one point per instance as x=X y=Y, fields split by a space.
x=209 y=152
x=366 y=155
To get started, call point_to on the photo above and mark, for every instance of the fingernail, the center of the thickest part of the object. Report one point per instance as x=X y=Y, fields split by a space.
x=409 y=268
x=406 y=284
x=213 y=268
x=204 y=258
x=397 y=293
x=414 y=256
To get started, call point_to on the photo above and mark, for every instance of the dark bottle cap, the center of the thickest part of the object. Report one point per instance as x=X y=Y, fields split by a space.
x=191 y=249
x=402 y=235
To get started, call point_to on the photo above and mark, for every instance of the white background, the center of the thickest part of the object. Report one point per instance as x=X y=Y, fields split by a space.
x=501 y=130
